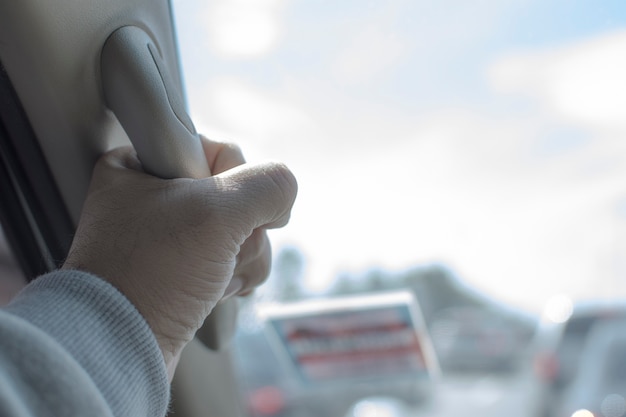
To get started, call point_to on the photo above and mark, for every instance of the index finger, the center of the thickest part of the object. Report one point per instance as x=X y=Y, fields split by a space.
x=221 y=156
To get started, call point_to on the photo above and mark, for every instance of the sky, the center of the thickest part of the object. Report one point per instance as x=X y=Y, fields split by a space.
x=487 y=136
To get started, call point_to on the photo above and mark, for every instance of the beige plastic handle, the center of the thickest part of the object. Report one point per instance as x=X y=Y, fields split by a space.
x=138 y=88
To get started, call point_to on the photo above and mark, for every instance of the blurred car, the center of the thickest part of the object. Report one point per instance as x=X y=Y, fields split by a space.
x=599 y=388
x=476 y=340
x=558 y=347
x=270 y=390
x=320 y=357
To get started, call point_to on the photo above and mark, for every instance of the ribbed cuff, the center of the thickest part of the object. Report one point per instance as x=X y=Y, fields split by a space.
x=105 y=334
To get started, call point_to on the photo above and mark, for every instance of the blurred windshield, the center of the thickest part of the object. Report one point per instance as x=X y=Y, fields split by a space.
x=471 y=153
x=615 y=365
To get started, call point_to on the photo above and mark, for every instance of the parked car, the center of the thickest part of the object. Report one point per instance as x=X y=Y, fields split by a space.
x=599 y=388
x=477 y=340
x=557 y=350
x=320 y=357
x=269 y=389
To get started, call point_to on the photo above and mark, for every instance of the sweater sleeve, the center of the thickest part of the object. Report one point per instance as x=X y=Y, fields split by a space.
x=72 y=345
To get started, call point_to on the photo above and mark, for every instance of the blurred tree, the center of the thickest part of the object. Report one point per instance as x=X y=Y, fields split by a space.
x=343 y=285
x=437 y=287
x=376 y=280
x=287 y=272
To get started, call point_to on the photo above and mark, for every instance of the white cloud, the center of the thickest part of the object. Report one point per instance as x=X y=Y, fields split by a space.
x=368 y=53
x=464 y=189
x=582 y=83
x=245 y=111
x=379 y=187
x=243 y=28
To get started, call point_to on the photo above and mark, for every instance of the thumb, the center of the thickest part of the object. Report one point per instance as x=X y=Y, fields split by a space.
x=262 y=194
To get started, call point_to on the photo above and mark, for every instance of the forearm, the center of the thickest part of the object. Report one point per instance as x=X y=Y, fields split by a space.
x=73 y=338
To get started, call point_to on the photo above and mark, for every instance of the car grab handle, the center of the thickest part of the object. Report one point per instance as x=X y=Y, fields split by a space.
x=140 y=91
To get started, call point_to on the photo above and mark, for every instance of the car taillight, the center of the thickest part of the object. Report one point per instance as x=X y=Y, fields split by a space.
x=546 y=366
x=266 y=401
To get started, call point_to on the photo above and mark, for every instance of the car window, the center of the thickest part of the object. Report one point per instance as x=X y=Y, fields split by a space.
x=615 y=364
x=470 y=153
x=579 y=326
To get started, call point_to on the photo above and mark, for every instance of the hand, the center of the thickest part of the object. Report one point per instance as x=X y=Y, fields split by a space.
x=175 y=248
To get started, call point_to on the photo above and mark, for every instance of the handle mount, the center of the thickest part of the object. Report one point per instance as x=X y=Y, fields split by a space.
x=140 y=91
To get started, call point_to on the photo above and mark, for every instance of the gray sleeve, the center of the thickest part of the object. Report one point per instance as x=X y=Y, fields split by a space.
x=72 y=345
